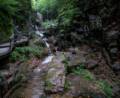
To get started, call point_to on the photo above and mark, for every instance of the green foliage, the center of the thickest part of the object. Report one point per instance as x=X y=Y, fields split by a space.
x=22 y=53
x=5 y=29
x=47 y=7
x=49 y=85
x=50 y=24
x=33 y=4
x=66 y=12
x=22 y=16
x=8 y=7
x=7 y=10
x=83 y=72
x=24 y=9
x=66 y=85
x=66 y=63
x=106 y=88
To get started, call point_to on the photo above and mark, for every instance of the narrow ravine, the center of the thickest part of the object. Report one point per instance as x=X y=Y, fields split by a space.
x=61 y=74
x=59 y=48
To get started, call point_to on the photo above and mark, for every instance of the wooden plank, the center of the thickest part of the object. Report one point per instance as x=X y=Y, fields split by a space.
x=5 y=45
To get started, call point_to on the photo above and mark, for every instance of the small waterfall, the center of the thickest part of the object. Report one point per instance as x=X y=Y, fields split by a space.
x=44 y=39
x=38 y=89
x=40 y=33
x=48 y=59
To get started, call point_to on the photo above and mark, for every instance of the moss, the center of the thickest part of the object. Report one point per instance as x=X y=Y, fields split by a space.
x=66 y=85
x=50 y=24
x=105 y=87
x=23 y=53
x=51 y=74
x=83 y=72
x=48 y=85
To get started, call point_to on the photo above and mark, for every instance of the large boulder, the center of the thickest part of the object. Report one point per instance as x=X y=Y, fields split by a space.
x=83 y=56
x=79 y=86
x=75 y=57
x=55 y=77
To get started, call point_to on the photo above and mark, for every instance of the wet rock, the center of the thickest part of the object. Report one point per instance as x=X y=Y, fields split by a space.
x=93 y=59
x=55 y=77
x=116 y=91
x=5 y=74
x=84 y=56
x=80 y=86
x=74 y=50
x=39 y=17
x=113 y=50
x=114 y=53
x=112 y=35
x=63 y=96
x=113 y=44
x=74 y=60
x=60 y=56
x=116 y=66
x=52 y=40
x=91 y=63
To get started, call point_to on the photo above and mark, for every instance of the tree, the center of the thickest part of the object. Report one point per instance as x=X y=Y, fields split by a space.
x=8 y=9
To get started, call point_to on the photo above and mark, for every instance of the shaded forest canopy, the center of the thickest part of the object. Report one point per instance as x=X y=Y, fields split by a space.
x=68 y=19
x=68 y=15
x=11 y=12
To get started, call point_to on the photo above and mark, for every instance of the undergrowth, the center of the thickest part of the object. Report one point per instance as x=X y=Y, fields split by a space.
x=102 y=84
x=105 y=87
x=83 y=72
x=24 y=53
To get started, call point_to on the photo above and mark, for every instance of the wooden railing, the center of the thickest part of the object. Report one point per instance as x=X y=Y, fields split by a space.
x=12 y=42
x=7 y=44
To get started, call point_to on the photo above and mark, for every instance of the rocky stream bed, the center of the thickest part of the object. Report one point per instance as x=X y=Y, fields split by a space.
x=77 y=72
x=59 y=76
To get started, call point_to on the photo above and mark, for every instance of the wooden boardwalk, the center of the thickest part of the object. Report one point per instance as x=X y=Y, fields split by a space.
x=23 y=40
x=7 y=47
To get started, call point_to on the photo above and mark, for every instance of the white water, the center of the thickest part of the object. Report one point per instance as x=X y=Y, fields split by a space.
x=38 y=89
x=41 y=35
x=48 y=59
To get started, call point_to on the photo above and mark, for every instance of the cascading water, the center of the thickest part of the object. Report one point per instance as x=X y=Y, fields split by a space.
x=41 y=35
x=38 y=88
x=44 y=39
